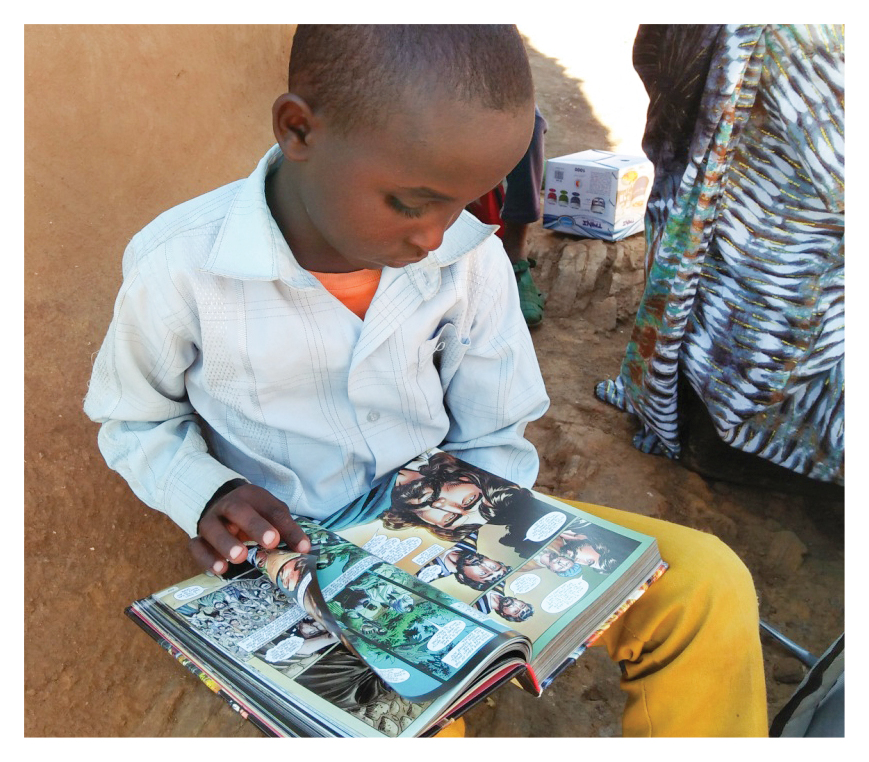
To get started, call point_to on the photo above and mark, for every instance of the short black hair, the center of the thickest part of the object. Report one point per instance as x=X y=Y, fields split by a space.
x=506 y=600
x=471 y=558
x=355 y=73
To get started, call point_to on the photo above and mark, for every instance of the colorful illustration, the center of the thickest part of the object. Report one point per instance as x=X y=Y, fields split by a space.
x=404 y=632
x=466 y=566
x=456 y=564
x=228 y=616
x=289 y=648
x=346 y=682
x=509 y=608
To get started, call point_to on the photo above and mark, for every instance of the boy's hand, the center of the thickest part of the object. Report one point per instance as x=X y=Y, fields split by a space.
x=246 y=513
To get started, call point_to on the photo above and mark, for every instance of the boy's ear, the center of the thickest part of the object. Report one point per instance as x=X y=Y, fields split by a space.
x=292 y=121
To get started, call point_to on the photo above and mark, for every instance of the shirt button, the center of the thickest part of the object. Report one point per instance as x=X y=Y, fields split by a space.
x=373 y=416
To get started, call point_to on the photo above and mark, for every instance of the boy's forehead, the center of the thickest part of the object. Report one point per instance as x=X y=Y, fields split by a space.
x=422 y=150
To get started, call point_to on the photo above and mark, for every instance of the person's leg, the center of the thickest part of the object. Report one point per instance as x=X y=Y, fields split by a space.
x=690 y=646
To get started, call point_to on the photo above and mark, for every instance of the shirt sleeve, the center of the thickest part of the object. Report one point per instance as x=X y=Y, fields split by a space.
x=149 y=432
x=497 y=388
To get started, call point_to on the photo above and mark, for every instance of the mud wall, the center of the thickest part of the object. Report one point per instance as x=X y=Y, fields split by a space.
x=121 y=123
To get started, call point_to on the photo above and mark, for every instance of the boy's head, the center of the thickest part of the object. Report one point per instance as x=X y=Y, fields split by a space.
x=388 y=132
x=359 y=74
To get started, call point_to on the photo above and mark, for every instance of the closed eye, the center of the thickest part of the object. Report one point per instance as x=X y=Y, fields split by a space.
x=408 y=211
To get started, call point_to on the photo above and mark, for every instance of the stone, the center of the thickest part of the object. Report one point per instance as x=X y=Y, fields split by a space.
x=622 y=262
x=623 y=281
x=635 y=247
x=627 y=288
x=788 y=670
x=786 y=551
x=603 y=315
x=562 y=293
x=580 y=268
x=598 y=255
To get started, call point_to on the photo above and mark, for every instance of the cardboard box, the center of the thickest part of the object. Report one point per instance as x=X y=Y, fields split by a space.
x=597 y=194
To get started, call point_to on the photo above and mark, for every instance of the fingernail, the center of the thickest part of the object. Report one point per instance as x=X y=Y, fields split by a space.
x=218 y=567
x=269 y=537
x=236 y=551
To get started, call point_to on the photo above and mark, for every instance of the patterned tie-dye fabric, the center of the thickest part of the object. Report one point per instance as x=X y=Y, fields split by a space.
x=744 y=288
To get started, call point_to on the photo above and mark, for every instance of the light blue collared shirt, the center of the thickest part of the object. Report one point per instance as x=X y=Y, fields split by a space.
x=227 y=359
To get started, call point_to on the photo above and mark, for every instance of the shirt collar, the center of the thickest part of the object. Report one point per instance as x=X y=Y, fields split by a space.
x=250 y=245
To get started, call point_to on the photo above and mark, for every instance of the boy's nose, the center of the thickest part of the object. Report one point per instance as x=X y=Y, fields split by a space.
x=428 y=237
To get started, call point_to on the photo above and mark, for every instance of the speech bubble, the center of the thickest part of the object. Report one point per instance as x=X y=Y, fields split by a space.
x=524 y=583
x=432 y=551
x=387 y=550
x=564 y=596
x=469 y=611
x=546 y=526
x=188 y=592
x=429 y=574
x=284 y=650
x=393 y=551
x=393 y=674
x=445 y=635
x=374 y=544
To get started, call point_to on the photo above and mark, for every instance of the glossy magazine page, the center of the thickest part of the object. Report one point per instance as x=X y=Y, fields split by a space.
x=525 y=560
x=416 y=644
x=441 y=580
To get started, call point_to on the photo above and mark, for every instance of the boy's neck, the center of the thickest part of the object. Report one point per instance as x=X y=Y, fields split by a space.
x=288 y=210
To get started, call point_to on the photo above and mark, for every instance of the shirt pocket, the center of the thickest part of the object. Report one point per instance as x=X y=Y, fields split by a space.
x=439 y=359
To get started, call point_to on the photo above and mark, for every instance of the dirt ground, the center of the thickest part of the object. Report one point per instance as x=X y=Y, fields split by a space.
x=91 y=547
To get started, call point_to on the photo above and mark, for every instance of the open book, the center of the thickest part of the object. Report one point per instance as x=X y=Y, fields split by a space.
x=415 y=602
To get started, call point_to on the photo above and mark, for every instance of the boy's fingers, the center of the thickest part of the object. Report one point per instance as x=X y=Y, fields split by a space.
x=290 y=532
x=277 y=514
x=250 y=512
x=215 y=534
x=248 y=521
x=206 y=557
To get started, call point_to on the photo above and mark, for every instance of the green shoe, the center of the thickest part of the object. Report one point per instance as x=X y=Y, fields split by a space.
x=530 y=299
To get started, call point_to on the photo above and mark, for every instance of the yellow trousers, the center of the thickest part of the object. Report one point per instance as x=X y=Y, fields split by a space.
x=690 y=647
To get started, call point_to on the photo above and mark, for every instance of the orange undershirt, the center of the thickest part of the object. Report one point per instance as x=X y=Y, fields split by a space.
x=354 y=290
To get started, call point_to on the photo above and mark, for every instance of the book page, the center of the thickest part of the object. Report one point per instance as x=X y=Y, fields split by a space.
x=420 y=641
x=525 y=560
x=262 y=633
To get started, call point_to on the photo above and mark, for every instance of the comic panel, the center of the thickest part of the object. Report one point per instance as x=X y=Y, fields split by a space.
x=463 y=572
x=346 y=682
x=239 y=615
x=291 y=652
x=438 y=501
x=407 y=632
x=558 y=577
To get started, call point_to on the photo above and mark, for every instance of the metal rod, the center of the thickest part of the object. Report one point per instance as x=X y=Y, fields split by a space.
x=806 y=657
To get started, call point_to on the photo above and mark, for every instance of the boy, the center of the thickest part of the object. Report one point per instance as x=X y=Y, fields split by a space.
x=220 y=312
x=281 y=344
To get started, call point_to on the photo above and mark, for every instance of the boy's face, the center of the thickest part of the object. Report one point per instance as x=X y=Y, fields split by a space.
x=383 y=198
